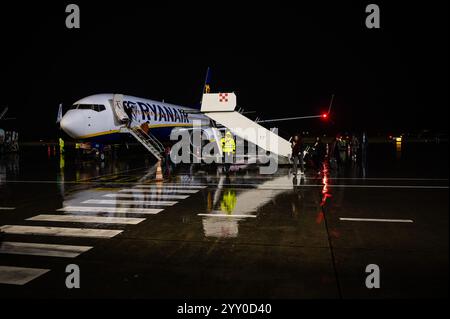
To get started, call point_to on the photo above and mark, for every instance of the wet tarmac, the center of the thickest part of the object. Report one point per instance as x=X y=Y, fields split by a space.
x=203 y=234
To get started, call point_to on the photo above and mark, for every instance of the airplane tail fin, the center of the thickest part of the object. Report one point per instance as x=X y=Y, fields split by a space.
x=206 y=86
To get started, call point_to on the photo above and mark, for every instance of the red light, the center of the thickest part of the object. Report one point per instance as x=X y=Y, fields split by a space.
x=324 y=115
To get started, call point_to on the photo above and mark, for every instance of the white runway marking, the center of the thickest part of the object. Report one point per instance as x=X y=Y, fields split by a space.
x=390 y=186
x=388 y=178
x=19 y=275
x=226 y=215
x=87 y=219
x=169 y=186
x=37 y=249
x=147 y=196
x=59 y=231
x=253 y=178
x=110 y=210
x=377 y=220
x=157 y=191
x=129 y=202
x=286 y=187
x=7 y=208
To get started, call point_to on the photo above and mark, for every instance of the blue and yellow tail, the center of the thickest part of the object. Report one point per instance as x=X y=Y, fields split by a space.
x=206 y=87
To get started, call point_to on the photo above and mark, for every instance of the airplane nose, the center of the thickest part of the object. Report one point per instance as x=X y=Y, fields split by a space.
x=73 y=123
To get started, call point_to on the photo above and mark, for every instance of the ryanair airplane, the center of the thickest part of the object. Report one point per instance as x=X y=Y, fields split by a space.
x=104 y=118
x=97 y=119
x=93 y=118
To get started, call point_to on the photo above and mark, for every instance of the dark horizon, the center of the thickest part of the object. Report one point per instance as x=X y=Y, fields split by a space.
x=280 y=61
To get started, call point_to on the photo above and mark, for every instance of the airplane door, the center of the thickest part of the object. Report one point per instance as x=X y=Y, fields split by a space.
x=118 y=107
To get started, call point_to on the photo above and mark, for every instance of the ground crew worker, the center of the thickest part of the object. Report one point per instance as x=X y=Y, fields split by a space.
x=61 y=146
x=228 y=149
x=228 y=202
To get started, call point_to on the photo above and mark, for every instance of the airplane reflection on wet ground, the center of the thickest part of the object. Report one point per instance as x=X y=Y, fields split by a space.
x=201 y=233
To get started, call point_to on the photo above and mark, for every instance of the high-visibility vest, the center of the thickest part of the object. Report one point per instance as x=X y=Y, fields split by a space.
x=228 y=202
x=228 y=145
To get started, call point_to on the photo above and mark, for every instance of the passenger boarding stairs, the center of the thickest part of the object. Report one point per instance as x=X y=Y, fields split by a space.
x=220 y=108
x=148 y=140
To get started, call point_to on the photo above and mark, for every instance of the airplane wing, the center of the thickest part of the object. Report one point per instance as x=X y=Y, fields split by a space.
x=2 y=114
x=292 y=118
x=323 y=115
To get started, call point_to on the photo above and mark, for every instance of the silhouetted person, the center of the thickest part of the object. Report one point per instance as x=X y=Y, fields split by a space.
x=297 y=154
x=333 y=153
x=145 y=127
x=129 y=112
x=342 y=146
x=354 y=147
x=318 y=153
x=364 y=145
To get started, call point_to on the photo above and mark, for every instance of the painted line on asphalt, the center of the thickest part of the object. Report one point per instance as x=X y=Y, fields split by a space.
x=59 y=231
x=87 y=219
x=377 y=220
x=169 y=186
x=157 y=191
x=147 y=196
x=129 y=202
x=226 y=215
x=285 y=187
x=19 y=275
x=38 y=249
x=97 y=209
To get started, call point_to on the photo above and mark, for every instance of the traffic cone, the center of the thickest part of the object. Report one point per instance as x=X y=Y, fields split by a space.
x=159 y=174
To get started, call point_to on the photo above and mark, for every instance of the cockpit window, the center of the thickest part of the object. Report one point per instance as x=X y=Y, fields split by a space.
x=99 y=107
x=94 y=107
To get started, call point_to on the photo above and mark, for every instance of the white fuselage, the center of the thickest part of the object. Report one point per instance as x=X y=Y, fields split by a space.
x=93 y=116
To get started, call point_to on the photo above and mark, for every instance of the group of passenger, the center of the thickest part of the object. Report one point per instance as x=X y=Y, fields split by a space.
x=336 y=153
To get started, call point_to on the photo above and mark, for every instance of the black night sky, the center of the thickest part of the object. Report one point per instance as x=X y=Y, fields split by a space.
x=281 y=60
